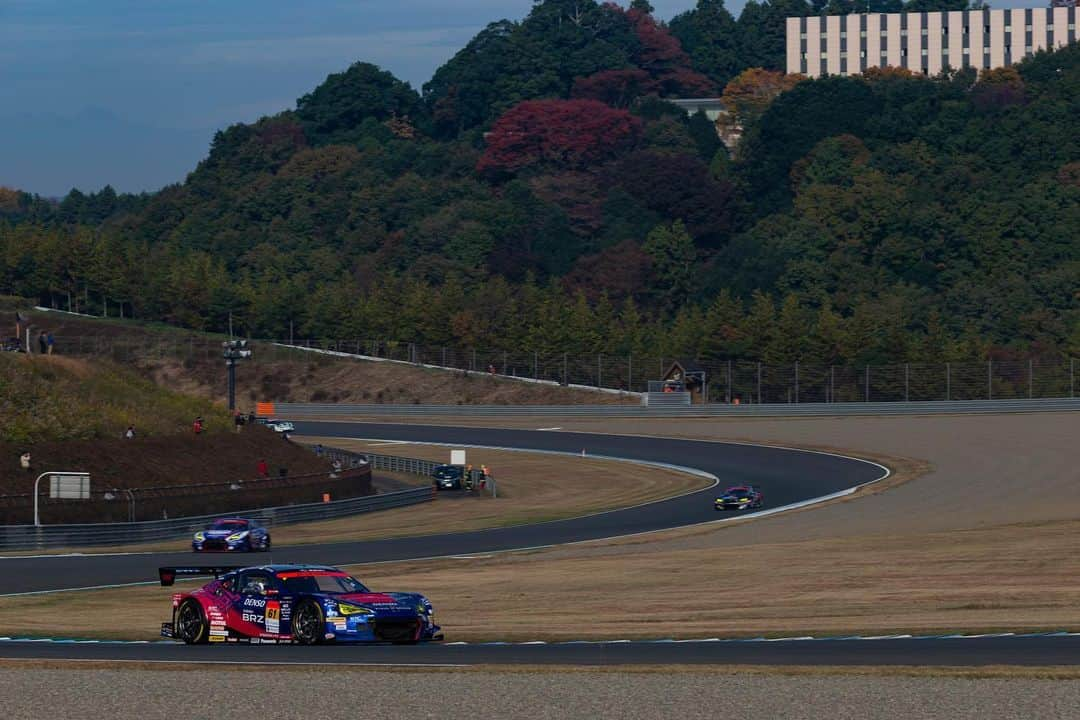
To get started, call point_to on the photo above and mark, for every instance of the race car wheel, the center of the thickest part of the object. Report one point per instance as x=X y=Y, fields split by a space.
x=266 y=544
x=191 y=625
x=308 y=623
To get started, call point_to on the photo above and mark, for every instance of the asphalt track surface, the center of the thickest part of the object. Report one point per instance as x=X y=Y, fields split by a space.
x=786 y=477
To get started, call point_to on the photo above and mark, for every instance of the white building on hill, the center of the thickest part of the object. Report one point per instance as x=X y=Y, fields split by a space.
x=925 y=42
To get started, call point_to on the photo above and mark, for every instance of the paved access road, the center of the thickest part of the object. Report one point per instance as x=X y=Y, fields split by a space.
x=786 y=476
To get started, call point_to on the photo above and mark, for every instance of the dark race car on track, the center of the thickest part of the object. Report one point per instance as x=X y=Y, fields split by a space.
x=740 y=497
x=231 y=535
x=305 y=604
x=448 y=477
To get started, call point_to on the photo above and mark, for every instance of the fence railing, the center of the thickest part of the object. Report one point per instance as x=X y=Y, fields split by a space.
x=316 y=411
x=30 y=537
x=163 y=502
x=725 y=380
x=27 y=537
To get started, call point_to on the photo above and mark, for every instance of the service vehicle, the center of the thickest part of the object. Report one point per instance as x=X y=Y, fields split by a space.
x=231 y=534
x=448 y=477
x=305 y=604
x=740 y=497
x=280 y=426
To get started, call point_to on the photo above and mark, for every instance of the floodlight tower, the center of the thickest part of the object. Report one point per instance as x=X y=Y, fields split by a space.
x=233 y=351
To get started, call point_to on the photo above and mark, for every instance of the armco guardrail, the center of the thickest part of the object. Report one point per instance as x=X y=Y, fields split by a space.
x=319 y=411
x=28 y=537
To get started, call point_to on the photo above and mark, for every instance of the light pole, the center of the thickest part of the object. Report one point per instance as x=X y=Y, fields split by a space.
x=232 y=351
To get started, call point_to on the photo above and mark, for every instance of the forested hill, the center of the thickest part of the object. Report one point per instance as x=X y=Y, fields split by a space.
x=541 y=194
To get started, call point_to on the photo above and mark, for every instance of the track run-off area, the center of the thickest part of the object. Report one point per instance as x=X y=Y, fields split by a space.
x=789 y=478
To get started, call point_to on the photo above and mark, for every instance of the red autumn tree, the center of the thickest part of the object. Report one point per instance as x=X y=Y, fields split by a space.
x=617 y=88
x=565 y=134
x=663 y=58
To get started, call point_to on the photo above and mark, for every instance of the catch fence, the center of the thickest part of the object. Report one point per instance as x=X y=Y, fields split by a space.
x=243 y=499
x=627 y=376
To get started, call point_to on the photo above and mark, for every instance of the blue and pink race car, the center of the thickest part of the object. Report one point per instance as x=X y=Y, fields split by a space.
x=306 y=604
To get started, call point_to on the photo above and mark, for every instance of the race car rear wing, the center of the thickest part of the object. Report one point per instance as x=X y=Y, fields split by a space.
x=168 y=575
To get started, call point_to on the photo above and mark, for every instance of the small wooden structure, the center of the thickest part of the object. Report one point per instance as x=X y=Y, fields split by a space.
x=686 y=376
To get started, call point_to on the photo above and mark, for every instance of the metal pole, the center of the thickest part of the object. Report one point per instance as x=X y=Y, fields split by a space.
x=630 y=372
x=231 y=365
x=37 y=520
x=759 y=383
x=474 y=359
x=536 y=365
x=867 y=383
x=444 y=356
x=907 y=368
x=989 y=379
x=504 y=362
x=730 y=392
x=1031 y=382
x=1072 y=375
x=290 y=333
x=796 y=382
x=948 y=381
x=832 y=383
x=599 y=370
x=564 y=378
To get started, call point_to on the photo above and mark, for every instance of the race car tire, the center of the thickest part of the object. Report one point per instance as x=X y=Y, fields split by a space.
x=308 y=623
x=266 y=544
x=190 y=624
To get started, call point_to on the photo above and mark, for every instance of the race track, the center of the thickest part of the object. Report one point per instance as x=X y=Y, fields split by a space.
x=786 y=476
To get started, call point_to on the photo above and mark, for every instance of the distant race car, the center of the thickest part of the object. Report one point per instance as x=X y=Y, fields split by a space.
x=306 y=604
x=231 y=535
x=740 y=497
x=280 y=426
x=448 y=477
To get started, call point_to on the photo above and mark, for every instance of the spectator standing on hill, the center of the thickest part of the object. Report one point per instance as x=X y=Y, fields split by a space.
x=196 y=426
x=263 y=469
x=24 y=461
x=50 y=341
x=318 y=449
x=19 y=322
x=130 y=433
x=43 y=342
x=238 y=421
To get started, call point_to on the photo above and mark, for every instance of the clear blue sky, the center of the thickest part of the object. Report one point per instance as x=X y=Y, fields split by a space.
x=129 y=92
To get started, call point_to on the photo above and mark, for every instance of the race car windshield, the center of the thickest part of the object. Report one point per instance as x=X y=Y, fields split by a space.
x=229 y=525
x=738 y=491
x=324 y=583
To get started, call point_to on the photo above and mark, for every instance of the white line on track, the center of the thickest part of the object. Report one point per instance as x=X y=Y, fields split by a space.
x=183 y=661
x=549 y=429
x=75 y=554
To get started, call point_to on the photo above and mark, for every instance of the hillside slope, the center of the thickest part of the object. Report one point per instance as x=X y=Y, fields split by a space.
x=190 y=363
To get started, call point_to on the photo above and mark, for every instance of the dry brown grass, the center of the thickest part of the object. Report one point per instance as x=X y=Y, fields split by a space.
x=317 y=378
x=1015 y=578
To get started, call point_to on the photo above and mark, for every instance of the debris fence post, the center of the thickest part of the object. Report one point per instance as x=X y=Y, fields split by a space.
x=759 y=383
x=796 y=382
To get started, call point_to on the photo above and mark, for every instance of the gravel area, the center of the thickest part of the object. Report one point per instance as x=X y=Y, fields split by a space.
x=168 y=693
